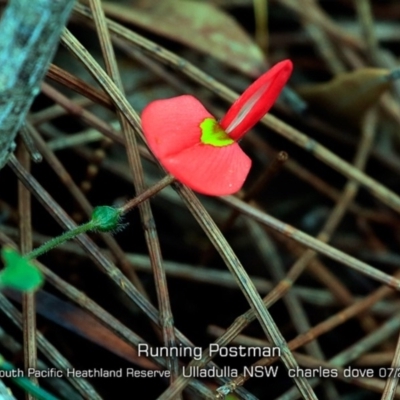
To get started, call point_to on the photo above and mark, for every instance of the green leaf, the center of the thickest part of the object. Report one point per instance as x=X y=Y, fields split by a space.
x=19 y=273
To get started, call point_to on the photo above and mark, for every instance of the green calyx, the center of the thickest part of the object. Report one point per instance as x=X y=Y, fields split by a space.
x=105 y=218
x=213 y=134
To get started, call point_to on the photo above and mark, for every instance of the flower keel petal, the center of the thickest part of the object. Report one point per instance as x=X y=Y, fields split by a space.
x=256 y=100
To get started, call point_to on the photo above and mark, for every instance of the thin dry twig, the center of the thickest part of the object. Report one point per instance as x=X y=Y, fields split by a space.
x=312 y=243
x=99 y=259
x=102 y=315
x=150 y=231
x=338 y=50
x=51 y=353
x=301 y=340
x=392 y=380
x=252 y=296
x=28 y=300
x=314 y=148
x=81 y=199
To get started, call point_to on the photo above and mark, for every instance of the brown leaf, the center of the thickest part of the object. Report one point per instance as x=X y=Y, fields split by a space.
x=348 y=96
x=82 y=323
x=201 y=26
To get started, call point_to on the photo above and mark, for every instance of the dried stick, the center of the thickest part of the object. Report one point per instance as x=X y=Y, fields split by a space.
x=102 y=315
x=28 y=299
x=52 y=354
x=150 y=231
x=379 y=191
x=98 y=257
x=312 y=334
x=392 y=381
x=76 y=192
x=201 y=215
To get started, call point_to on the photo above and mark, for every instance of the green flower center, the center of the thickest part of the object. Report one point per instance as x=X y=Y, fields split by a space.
x=213 y=134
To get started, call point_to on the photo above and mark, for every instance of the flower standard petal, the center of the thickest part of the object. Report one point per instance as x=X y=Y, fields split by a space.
x=173 y=125
x=256 y=100
x=211 y=170
x=192 y=146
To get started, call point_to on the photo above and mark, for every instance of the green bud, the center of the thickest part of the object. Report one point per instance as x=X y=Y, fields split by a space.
x=19 y=273
x=105 y=218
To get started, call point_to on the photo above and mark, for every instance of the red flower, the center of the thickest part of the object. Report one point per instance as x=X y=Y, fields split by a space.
x=196 y=149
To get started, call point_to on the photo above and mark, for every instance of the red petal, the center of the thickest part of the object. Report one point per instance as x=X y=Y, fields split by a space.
x=172 y=129
x=216 y=171
x=173 y=125
x=256 y=100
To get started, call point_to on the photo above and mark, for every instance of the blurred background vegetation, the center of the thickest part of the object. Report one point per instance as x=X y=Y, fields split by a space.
x=338 y=184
